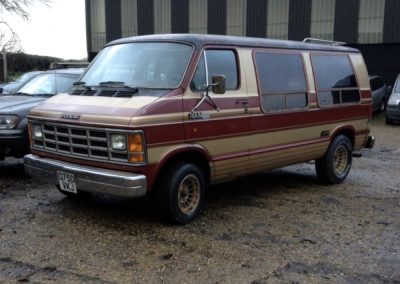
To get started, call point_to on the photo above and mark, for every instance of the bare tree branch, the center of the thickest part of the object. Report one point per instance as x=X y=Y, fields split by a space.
x=19 y=7
x=9 y=40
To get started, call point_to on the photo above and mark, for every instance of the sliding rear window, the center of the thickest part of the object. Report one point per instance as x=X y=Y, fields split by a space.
x=335 y=79
x=282 y=82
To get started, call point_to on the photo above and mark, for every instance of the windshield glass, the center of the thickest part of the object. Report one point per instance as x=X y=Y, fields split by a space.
x=155 y=65
x=49 y=84
x=25 y=77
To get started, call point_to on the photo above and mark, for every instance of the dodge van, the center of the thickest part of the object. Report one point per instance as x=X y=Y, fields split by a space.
x=166 y=115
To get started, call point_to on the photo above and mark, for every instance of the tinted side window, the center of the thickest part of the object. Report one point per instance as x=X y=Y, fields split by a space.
x=281 y=81
x=219 y=62
x=335 y=79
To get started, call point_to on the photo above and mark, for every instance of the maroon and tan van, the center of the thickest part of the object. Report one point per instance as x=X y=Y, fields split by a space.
x=170 y=114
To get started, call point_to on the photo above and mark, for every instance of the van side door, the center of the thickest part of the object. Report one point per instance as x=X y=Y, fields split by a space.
x=219 y=124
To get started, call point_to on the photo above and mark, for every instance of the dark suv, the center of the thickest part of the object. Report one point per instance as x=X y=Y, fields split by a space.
x=14 y=109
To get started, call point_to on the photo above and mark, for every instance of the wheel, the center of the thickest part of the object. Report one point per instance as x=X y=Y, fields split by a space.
x=335 y=165
x=382 y=106
x=181 y=192
x=388 y=120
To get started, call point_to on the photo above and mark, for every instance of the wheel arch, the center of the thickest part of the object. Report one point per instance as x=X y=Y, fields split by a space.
x=348 y=131
x=193 y=154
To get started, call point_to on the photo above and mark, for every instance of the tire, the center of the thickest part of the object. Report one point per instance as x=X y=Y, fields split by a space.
x=181 y=193
x=335 y=165
x=388 y=121
x=382 y=106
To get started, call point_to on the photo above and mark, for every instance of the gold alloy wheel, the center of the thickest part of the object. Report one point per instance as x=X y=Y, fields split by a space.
x=340 y=161
x=189 y=194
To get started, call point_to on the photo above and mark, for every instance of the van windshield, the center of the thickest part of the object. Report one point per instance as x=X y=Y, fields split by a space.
x=397 y=89
x=154 y=65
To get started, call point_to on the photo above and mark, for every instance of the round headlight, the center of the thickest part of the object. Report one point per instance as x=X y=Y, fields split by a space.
x=118 y=141
x=37 y=131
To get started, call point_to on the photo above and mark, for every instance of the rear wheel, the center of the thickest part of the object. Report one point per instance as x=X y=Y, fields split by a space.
x=181 y=192
x=335 y=165
x=382 y=106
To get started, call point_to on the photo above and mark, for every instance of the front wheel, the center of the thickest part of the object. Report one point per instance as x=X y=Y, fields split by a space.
x=181 y=192
x=335 y=165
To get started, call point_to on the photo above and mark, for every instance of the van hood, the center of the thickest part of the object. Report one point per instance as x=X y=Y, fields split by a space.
x=14 y=104
x=115 y=111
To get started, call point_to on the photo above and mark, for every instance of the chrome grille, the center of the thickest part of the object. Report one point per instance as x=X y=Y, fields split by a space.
x=82 y=142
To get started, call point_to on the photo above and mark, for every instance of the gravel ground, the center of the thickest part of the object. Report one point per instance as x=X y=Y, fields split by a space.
x=277 y=227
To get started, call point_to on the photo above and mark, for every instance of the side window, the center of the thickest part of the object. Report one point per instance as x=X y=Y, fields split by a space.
x=218 y=62
x=282 y=81
x=335 y=79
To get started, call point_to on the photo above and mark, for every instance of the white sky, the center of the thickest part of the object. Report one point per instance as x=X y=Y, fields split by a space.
x=57 y=30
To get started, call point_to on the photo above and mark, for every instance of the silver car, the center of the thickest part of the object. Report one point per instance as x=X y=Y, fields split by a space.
x=393 y=105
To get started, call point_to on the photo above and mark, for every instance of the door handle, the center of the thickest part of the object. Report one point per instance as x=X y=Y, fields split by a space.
x=244 y=103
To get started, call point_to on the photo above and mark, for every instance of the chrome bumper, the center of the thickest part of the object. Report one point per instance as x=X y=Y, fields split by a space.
x=88 y=179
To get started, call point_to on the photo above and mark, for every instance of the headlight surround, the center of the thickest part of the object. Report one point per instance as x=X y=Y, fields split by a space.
x=37 y=132
x=8 y=121
x=118 y=142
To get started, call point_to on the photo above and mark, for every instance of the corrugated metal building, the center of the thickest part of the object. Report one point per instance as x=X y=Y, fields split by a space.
x=373 y=26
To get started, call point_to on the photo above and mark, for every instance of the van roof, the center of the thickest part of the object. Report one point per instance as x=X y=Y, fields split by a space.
x=200 y=40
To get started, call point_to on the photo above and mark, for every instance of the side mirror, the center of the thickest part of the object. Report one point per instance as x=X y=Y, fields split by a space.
x=389 y=89
x=218 y=84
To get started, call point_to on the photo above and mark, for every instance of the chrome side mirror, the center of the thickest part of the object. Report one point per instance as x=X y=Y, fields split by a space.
x=218 y=84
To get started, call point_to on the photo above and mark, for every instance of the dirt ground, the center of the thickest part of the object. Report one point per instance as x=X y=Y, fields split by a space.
x=277 y=227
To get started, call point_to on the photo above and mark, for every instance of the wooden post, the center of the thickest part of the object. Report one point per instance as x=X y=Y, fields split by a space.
x=5 y=64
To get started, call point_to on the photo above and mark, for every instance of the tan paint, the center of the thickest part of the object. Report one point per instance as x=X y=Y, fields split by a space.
x=360 y=71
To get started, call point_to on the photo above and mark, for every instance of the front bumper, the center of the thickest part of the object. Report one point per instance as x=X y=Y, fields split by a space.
x=393 y=112
x=89 y=179
x=13 y=142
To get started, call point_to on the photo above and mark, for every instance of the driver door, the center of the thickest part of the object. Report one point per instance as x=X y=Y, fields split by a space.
x=220 y=123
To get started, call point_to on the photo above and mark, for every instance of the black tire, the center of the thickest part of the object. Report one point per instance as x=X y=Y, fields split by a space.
x=181 y=193
x=382 y=106
x=388 y=121
x=335 y=165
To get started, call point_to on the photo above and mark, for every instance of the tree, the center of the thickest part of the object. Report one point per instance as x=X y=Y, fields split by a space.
x=9 y=40
x=19 y=7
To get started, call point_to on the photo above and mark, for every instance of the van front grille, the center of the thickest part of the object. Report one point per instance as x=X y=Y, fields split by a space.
x=82 y=142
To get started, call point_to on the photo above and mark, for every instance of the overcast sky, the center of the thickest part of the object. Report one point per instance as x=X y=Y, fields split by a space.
x=57 y=30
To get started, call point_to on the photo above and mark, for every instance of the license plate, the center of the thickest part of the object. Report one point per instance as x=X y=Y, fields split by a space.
x=67 y=182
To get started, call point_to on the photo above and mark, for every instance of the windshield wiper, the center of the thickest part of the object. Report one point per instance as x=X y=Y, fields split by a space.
x=118 y=85
x=81 y=84
x=21 y=94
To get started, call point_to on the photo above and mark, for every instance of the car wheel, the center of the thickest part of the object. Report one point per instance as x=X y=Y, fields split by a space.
x=388 y=121
x=335 y=165
x=181 y=193
x=382 y=106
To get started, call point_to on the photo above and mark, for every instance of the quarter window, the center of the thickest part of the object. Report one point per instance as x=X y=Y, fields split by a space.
x=218 y=62
x=282 y=81
x=335 y=80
